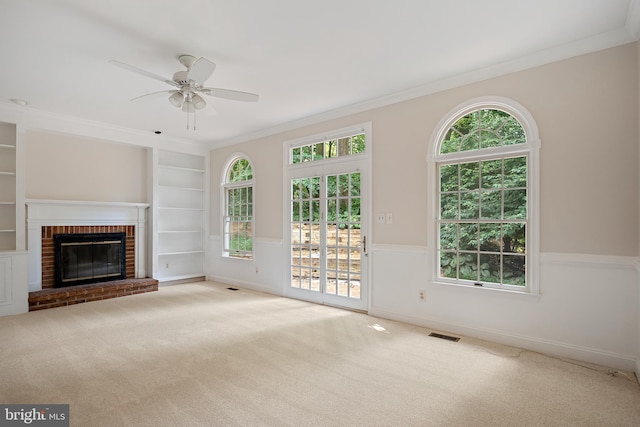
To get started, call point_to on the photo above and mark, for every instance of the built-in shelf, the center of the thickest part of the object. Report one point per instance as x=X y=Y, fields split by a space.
x=8 y=186
x=181 y=207
x=13 y=256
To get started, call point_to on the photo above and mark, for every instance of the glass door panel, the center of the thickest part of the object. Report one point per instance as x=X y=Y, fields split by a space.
x=327 y=240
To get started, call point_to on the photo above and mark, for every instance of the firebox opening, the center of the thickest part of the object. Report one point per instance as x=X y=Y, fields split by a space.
x=89 y=258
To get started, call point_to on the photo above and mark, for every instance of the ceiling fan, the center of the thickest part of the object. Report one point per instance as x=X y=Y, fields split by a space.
x=189 y=84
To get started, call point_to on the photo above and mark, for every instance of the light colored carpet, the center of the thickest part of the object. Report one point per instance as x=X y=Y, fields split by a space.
x=201 y=355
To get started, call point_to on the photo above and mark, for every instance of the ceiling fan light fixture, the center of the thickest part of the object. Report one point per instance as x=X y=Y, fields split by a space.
x=187 y=107
x=198 y=102
x=176 y=99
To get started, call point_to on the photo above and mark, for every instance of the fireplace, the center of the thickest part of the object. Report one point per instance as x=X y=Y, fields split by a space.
x=89 y=258
x=47 y=218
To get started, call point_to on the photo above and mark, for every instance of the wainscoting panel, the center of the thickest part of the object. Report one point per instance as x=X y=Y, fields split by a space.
x=587 y=308
x=14 y=292
x=263 y=273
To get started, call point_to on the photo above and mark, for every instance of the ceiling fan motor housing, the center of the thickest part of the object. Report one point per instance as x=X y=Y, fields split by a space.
x=181 y=77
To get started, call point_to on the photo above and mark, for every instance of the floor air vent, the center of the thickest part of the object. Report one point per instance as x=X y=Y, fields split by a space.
x=444 y=337
x=233 y=289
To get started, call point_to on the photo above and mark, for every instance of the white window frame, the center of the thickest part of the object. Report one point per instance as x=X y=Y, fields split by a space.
x=530 y=148
x=324 y=138
x=225 y=186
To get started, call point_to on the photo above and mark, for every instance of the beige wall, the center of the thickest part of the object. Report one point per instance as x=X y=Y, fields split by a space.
x=65 y=167
x=586 y=109
x=587 y=115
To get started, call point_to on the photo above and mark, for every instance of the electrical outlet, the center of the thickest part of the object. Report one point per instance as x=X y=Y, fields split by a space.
x=166 y=265
x=421 y=296
x=380 y=218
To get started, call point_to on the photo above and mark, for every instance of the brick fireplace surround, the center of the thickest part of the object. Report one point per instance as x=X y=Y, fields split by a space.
x=50 y=297
x=117 y=218
x=48 y=262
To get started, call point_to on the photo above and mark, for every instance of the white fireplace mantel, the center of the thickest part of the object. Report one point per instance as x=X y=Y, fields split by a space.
x=41 y=213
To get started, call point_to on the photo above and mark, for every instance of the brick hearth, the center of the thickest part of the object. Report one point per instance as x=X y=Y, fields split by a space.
x=59 y=297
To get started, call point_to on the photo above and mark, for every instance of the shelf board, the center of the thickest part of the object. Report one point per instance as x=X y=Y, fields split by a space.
x=7 y=231
x=7 y=203
x=7 y=146
x=181 y=168
x=7 y=173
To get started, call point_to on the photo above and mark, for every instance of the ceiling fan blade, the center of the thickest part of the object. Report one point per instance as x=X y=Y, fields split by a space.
x=143 y=72
x=201 y=70
x=209 y=110
x=234 y=95
x=152 y=93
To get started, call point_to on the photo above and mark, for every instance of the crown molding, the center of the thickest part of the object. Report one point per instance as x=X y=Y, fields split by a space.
x=628 y=34
x=30 y=118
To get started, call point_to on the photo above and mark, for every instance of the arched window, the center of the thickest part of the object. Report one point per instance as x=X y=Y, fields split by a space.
x=486 y=174
x=238 y=209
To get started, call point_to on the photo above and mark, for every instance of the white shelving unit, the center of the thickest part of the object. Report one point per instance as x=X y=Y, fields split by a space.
x=180 y=216
x=14 y=294
x=7 y=187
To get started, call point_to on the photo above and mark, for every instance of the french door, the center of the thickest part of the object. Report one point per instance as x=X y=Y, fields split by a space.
x=328 y=224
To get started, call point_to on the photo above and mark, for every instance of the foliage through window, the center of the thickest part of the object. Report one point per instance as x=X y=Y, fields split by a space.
x=238 y=210
x=342 y=192
x=338 y=147
x=483 y=200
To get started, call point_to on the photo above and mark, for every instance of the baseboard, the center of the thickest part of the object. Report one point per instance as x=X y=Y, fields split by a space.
x=181 y=281
x=552 y=348
x=254 y=286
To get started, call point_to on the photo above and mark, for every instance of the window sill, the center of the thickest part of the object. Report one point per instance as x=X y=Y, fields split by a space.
x=495 y=291
x=225 y=256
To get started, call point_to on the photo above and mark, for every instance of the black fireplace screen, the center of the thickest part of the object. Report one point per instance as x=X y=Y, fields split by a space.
x=89 y=258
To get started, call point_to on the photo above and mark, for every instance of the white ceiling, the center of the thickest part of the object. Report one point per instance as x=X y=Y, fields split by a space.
x=308 y=60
